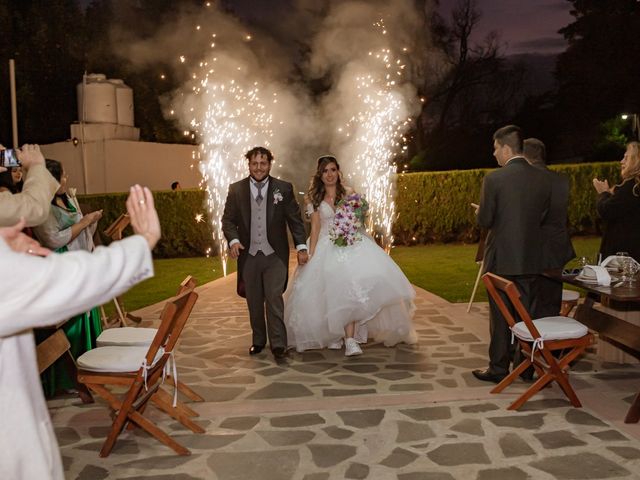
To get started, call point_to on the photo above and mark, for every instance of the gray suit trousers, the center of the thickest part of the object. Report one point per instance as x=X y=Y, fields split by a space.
x=264 y=279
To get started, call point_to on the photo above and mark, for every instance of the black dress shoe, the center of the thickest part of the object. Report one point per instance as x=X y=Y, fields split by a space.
x=255 y=349
x=487 y=376
x=279 y=353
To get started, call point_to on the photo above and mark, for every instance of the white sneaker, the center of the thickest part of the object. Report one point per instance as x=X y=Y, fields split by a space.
x=337 y=345
x=351 y=348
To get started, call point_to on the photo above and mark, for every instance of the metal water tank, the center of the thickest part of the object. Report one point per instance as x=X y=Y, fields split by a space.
x=97 y=100
x=124 y=102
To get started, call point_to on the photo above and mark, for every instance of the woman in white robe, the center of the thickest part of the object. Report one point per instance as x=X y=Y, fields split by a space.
x=31 y=297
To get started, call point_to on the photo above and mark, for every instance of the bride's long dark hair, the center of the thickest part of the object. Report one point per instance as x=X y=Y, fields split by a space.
x=316 y=192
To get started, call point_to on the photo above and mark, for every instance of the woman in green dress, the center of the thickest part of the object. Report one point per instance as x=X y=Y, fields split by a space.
x=67 y=229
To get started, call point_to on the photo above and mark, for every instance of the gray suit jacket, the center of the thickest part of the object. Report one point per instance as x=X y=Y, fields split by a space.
x=513 y=204
x=236 y=220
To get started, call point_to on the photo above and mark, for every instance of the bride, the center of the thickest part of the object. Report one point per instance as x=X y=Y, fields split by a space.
x=344 y=291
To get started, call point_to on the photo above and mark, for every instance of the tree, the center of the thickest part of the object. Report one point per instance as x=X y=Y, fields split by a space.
x=598 y=73
x=475 y=90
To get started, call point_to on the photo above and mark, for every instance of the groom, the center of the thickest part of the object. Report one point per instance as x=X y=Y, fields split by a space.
x=256 y=215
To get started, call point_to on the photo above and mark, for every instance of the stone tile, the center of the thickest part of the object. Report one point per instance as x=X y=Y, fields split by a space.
x=463 y=338
x=173 y=476
x=343 y=392
x=471 y=426
x=440 y=320
x=426 y=476
x=316 y=476
x=281 y=390
x=270 y=465
x=583 y=466
x=219 y=394
x=609 y=436
x=99 y=432
x=362 y=418
x=411 y=367
x=558 y=439
x=399 y=458
x=314 y=367
x=283 y=438
x=240 y=423
x=447 y=382
x=362 y=368
x=511 y=473
x=469 y=363
x=270 y=372
x=207 y=442
x=512 y=445
x=91 y=472
x=354 y=380
x=325 y=456
x=165 y=462
x=302 y=420
x=544 y=404
x=236 y=379
x=411 y=387
x=412 y=432
x=479 y=408
x=357 y=471
x=337 y=432
x=628 y=453
x=453 y=454
x=530 y=422
x=393 y=375
x=428 y=413
x=66 y=436
x=580 y=417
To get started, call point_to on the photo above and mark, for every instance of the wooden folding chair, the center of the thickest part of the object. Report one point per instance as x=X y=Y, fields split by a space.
x=538 y=339
x=142 y=337
x=141 y=370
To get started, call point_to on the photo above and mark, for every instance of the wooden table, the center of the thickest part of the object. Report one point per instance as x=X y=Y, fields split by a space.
x=614 y=329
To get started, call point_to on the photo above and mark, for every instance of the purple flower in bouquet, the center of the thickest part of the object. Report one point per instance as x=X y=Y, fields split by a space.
x=349 y=220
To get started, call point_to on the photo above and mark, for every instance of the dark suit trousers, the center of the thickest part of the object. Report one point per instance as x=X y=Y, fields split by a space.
x=264 y=279
x=501 y=350
x=548 y=298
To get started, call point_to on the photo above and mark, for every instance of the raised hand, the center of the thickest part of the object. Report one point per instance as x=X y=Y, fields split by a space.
x=143 y=215
x=30 y=155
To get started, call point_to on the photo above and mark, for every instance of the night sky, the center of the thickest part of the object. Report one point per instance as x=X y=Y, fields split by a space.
x=525 y=26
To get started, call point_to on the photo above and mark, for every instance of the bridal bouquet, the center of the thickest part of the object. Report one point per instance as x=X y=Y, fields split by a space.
x=349 y=220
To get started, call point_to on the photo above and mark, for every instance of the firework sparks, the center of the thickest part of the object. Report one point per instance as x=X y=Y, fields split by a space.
x=375 y=134
x=234 y=118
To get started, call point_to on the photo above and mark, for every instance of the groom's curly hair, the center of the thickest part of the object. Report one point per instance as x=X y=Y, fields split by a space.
x=316 y=192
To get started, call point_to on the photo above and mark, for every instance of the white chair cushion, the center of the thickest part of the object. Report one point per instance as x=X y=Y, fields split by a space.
x=551 y=328
x=126 y=337
x=570 y=296
x=115 y=359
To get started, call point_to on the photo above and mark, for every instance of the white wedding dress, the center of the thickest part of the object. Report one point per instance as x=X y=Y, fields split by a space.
x=340 y=285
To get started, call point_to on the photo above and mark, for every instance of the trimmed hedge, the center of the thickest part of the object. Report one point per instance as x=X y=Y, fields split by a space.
x=434 y=206
x=430 y=206
x=182 y=236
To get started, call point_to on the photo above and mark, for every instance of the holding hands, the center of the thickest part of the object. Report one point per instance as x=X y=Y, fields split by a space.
x=601 y=186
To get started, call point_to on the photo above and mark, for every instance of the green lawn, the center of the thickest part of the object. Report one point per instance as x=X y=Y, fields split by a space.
x=447 y=270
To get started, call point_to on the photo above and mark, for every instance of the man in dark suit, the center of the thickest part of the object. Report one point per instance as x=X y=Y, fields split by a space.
x=557 y=249
x=256 y=215
x=513 y=204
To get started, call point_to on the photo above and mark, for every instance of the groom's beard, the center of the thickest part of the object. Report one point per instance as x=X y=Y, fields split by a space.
x=259 y=179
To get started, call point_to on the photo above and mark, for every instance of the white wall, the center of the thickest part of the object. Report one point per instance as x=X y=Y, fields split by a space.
x=114 y=165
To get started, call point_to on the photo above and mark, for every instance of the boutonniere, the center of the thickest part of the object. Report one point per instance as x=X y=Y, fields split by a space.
x=277 y=196
x=71 y=192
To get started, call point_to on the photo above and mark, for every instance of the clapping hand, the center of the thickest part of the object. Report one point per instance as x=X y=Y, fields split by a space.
x=21 y=243
x=93 y=217
x=601 y=186
x=143 y=215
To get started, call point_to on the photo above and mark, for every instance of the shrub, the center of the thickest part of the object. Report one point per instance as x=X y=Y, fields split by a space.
x=430 y=207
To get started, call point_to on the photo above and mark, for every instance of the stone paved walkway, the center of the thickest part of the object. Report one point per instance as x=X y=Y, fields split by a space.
x=407 y=413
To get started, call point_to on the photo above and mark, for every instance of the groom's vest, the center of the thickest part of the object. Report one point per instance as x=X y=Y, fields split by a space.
x=259 y=241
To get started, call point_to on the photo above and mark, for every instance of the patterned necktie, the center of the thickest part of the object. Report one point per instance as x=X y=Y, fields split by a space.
x=259 y=197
